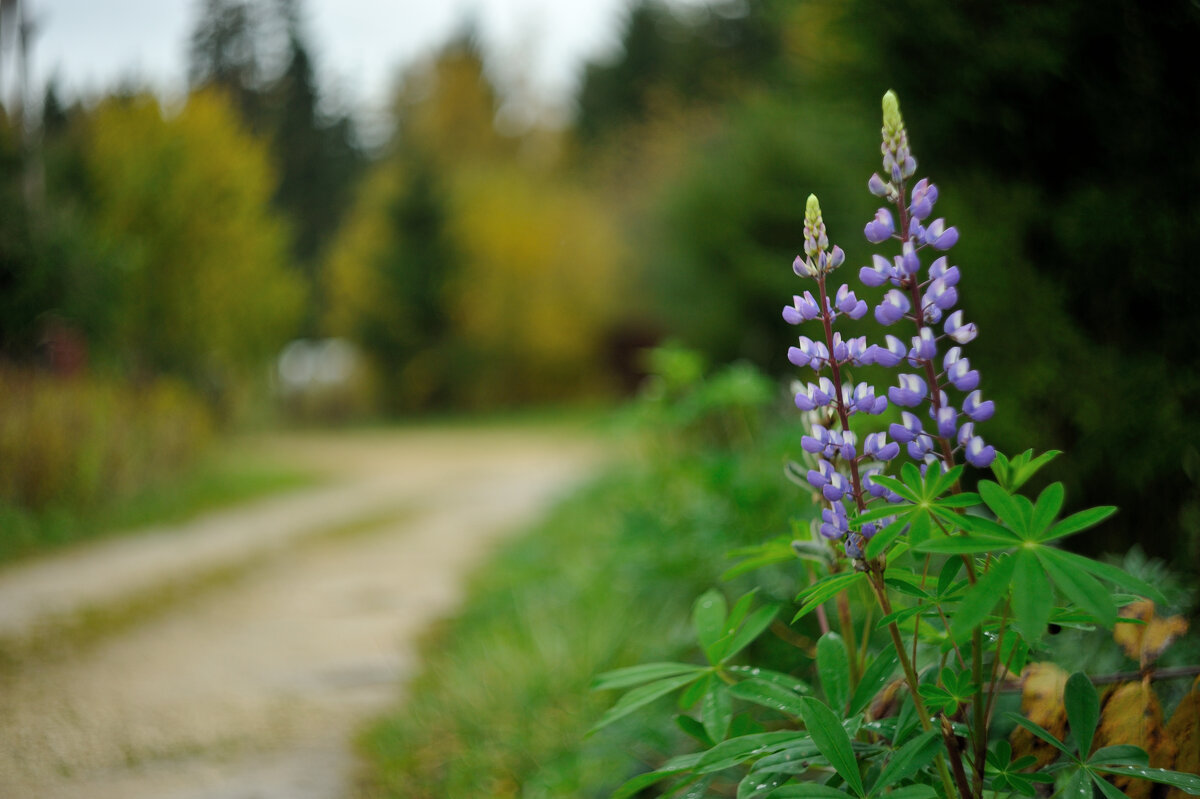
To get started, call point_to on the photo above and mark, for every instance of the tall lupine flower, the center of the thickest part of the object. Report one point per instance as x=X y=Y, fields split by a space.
x=927 y=299
x=842 y=466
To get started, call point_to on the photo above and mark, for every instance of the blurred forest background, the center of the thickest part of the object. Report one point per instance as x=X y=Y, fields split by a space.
x=157 y=257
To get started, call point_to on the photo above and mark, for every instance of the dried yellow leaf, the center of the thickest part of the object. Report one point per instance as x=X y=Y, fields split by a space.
x=1042 y=703
x=1184 y=728
x=1145 y=642
x=1131 y=714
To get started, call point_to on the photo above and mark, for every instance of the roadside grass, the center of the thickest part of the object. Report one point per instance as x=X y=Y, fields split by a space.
x=229 y=474
x=502 y=705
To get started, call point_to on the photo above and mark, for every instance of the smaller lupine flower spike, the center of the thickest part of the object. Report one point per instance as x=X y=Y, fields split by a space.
x=978 y=454
x=957 y=330
x=821 y=258
x=849 y=304
x=909 y=393
x=975 y=407
x=897 y=159
x=893 y=307
x=881 y=228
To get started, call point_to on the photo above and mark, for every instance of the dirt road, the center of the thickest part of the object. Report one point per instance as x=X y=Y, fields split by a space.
x=297 y=623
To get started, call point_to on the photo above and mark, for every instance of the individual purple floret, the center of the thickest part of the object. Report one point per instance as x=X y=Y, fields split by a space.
x=957 y=330
x=881 y=228
x=893 y=308
x=975 y=407
x=909 y=393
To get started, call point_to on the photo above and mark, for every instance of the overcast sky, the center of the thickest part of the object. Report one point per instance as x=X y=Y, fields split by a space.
x=358 y=44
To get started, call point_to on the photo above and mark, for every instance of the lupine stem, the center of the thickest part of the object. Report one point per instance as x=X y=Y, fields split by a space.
x=875 y=579
x=843 y=604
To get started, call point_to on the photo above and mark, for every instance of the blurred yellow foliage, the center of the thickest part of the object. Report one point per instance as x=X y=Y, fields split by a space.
x=1042 y=687
x=1145 y=642
x=185 y=199
x=1184 y=728
x=1131 y=714
x=541 y=284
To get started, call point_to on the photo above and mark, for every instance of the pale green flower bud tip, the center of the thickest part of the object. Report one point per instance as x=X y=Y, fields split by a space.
x=812 y=211
x=891 y=112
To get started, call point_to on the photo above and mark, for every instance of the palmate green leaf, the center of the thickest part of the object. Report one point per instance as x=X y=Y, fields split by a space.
x=919 y=528
x=647 y=672
x=692 y=695
x=1077 y=522
x=941 y=480
x=694 y=729
x=978 y=540
x=808 y=790
x=908 y=760
x=903 y=488
x=1032 y=604
x=641 y=782
x=716 y=711
x=768 y=694
x=708 y=621
x=884 y=538
x=964 y=500
x=1078 y=787
x=1120 y=755
x=1112 y=574
x=738 y=750
x=825 y=589
x=873 y=679
x=1188 y=783
x=785 y=681
x=831 y=738
x=759 y=787
x=759 y=620
x=737 y=614
x=980 y=598
x=1049 y=503
x=1108 y=789
x=1083 y=710
x=912 y=792
x=1003 y=504
x=1079 y=586
x=640 y=697
x=833 y=669
x=1042 y=733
